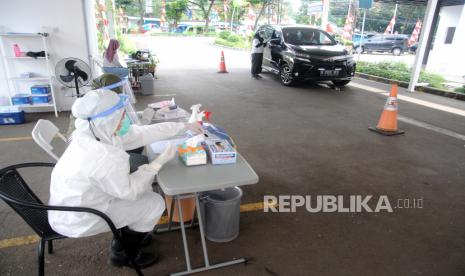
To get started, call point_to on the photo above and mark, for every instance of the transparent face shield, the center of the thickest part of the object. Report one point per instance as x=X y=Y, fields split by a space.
x=123 y=104
x=132 y=114
x=125 y=88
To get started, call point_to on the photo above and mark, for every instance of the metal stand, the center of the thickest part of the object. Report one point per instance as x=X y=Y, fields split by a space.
x=207 y=265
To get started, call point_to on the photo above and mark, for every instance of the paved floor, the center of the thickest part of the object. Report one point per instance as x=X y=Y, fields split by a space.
x=305 y=140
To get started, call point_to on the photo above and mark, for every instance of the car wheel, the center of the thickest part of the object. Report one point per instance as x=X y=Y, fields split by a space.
x=396 y=51
x=340 y=83
x=359 y=49
x=285 y=75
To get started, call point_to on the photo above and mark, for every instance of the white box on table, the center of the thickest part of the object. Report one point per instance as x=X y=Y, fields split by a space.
x=220 y=152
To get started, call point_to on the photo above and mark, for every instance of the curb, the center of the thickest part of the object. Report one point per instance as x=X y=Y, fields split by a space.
x=429 y=90
x=228 y=47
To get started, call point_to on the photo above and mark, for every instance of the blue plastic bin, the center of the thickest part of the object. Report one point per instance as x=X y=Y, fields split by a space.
x=40 y=89
x=38 y=99
x=19 y=99
x=11 y=115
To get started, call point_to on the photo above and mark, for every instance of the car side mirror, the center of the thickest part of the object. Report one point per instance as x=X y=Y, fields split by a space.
x=275 y=41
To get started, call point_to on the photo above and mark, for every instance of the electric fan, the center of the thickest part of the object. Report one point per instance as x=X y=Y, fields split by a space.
x=73 y=73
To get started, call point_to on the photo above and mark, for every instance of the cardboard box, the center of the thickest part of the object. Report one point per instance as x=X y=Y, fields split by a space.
x=220 y=152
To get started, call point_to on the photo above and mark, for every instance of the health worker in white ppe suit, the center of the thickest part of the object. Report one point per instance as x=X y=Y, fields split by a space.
x=94 y=172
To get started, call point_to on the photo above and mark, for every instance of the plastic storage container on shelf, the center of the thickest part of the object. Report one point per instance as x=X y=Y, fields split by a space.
x=39 y=99
x=20 y=99
x=25 y=75
x=40 y=89
x=11 y=115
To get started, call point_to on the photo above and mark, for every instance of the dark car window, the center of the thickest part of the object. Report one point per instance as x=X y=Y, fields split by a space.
x=262 y=32
x=390 y=38
x=376 y=38
x=267 y=32
x=307 y=36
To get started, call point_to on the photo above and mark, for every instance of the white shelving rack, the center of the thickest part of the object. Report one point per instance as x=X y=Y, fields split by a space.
x=14 y=79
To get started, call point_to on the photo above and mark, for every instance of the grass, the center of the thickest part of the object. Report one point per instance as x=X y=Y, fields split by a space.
x=460 y=89
x=399 y=71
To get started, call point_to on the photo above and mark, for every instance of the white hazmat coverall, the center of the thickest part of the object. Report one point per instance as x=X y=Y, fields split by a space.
x=95 y=174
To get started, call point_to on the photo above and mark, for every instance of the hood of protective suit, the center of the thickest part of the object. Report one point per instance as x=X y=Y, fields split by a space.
x=106 y=80
x=93 y=103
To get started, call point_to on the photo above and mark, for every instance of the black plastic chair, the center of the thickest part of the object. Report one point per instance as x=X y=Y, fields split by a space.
x=17 y=194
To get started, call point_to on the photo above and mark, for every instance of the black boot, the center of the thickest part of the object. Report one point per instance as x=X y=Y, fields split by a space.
x=119 y=258
x=140 y=239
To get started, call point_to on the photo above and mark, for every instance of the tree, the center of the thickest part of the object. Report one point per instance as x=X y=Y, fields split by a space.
x=130 y=7
x=156 y=5
x=264 y=4
x=205 y=7
x=302 y=16
x=175 y=10
x=141 y=7
x=133 y=7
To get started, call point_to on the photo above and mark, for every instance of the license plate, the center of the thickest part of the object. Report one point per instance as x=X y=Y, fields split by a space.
x=329 y=73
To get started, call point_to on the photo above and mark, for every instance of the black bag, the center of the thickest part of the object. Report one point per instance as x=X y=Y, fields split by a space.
x=36 y=54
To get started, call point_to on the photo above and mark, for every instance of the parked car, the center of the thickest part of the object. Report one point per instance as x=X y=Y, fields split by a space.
x=395 y=44
x=357 y=36
x=302 y=53
x=181 y=28
x=150 y=27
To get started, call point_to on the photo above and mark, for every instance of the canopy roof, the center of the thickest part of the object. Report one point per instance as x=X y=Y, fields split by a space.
x=424 y=2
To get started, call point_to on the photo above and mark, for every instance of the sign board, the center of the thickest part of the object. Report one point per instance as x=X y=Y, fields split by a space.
x=315 y=7
x=365 y=4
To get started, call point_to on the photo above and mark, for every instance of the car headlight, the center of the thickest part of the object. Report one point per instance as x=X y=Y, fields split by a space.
x=302 y=55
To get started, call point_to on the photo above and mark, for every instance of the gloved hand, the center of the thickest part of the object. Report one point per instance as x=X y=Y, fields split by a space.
x=194 y=127
x=165 y=156
x=147 y=116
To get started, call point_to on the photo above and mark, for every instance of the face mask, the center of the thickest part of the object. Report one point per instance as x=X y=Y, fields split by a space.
x=125 y=125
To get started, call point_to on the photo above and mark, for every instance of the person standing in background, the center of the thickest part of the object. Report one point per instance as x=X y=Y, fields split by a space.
x=258 y=45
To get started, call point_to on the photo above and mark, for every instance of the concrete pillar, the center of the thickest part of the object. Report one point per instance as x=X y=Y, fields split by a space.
x=427 y=23
x=110 y=5
x=325 y=14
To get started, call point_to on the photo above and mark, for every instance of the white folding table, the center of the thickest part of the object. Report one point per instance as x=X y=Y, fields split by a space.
x=180 y=181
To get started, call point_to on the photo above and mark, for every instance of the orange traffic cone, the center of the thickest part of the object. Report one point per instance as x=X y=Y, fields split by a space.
x=222 y=64
x=387 y=124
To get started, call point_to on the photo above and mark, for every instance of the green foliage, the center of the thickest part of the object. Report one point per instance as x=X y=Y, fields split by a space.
x=434 y=80
x=234 y=38
x=344 y=41
x=224 y=34
x=175 y=10
x=130 y=7
x=205 y=8
x=101 y=46
x=126 y=45
x=226 y=38
x=398 y=71
x=460 y=89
